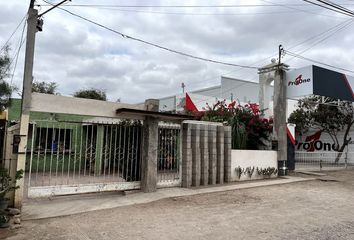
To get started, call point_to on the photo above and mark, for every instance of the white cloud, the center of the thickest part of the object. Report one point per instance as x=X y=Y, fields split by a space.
x=77 y=54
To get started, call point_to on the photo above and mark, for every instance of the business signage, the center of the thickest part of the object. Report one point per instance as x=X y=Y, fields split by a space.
x=314 y=80
x=299 y=82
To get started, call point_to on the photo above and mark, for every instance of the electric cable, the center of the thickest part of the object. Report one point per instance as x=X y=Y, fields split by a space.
x=335 y=10
x=13 y=33
x=336 y=6
x=156 y=45
x=183 y=6
x=18 y=52
x=318 y=62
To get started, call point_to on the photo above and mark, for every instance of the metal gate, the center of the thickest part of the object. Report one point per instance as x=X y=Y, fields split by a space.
x=169 y=155
x=322 y=160
x=69 y=158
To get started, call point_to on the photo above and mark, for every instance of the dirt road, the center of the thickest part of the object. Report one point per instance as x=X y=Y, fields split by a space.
x=321 y=209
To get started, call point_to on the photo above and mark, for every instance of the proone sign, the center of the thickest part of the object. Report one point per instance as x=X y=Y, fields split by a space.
x=314 y=80
x=299 y=81
x=313 y=143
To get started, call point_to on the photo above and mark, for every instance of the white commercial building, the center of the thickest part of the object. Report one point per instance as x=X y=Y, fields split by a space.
x=229 y=89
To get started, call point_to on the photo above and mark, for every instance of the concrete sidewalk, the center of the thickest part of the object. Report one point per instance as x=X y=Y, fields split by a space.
x=62 y=206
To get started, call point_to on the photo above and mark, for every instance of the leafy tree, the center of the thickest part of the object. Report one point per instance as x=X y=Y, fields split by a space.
x=44 y=87
x=91 y=93
x=5 y=88
x=327 y=115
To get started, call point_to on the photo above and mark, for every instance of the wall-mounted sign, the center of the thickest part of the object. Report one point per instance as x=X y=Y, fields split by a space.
x=319 y=81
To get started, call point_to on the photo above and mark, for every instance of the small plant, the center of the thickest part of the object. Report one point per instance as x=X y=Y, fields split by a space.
x=239 y=171
x=267 y=171
x=6 y=182
x=250 y=171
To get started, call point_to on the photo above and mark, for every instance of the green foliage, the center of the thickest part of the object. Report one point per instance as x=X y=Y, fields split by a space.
x=5 y=88
x=327 y=115
x=6 y=182
x=91 y=94
x=44 y=87
x=249 y=129
x=5 y=94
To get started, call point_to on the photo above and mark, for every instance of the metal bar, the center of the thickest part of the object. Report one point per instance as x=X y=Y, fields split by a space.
x=141 y=150
x=58 y=152
x=110 y=150
x=75 y=151
x=69 y=161
x=63 y=158
x=38 y=150
x=31 y=157
x=45 y=154
x=86 y=153
x=104 y=150
x=91 y=152
x=136 y=153
x=132 y=153
x=128 y=155
x=115 y=150
x=124 y=137
x=80 y=158
x=51 y=153
x=119 y=154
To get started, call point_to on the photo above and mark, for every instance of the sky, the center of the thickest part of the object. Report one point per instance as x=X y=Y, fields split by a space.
x=77 y=54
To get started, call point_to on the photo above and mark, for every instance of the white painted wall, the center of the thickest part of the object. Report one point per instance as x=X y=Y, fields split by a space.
x=252 y=158
x=78 y=106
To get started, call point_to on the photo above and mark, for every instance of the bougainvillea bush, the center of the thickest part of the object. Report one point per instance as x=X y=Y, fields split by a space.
x=250 y=130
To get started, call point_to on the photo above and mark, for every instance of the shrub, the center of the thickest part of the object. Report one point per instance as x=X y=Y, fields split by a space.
x=250 y=130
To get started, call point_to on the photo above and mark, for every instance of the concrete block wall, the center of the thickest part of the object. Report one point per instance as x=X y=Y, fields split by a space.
x=206 y=153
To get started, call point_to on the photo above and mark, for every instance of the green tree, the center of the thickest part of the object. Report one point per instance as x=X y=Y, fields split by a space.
x=44 y=87
x=5 y=88
x=91 y=93
x=328 y=115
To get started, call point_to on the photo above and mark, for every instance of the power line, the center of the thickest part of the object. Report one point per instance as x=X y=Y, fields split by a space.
x=322 y=33
x=182 y=6
x=13 y=33
x=192 y=14
x=328 y=36
x=335 y=10
x=336 y=6
x=18 y=52
x=335 y=28
x=157 y=45
x=315 y=61
x=297 y=9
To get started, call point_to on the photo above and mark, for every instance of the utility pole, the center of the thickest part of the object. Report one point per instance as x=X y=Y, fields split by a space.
x=26 y=98
x=34 y=24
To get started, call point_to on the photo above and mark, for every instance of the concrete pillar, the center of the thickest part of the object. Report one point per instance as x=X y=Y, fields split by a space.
x=212 y=154
x=186 y=155
x=10 y=156
x=220 y=154
x=279 y=106
x=227 y=154
x=150 y=146
x=195 y=132
x=266 y=75
x=204 y=155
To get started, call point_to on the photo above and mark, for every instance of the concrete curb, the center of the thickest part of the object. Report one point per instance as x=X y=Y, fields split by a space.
x=44 y=208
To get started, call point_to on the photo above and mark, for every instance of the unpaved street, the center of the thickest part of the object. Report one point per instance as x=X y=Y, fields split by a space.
x=321 y=209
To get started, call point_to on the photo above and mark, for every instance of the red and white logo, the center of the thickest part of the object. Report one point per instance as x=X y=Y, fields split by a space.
x=298 y=81
x=313 y=143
